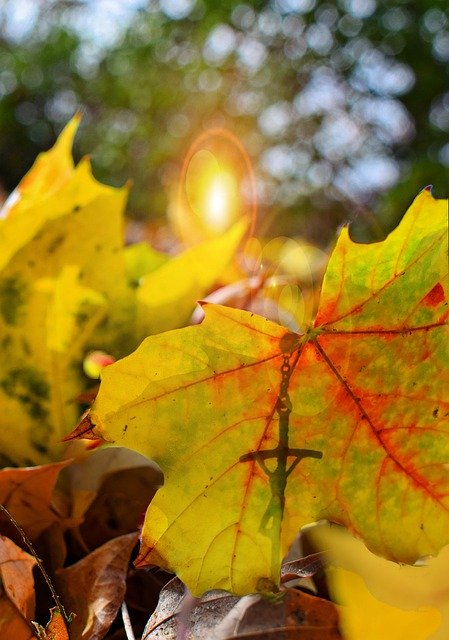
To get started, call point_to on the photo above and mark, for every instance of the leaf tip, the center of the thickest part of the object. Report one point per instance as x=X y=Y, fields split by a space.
x=85 y=429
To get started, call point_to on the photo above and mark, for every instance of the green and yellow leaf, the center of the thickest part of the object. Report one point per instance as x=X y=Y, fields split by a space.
x=260 y=431
x=68 y=285
x=53 y=296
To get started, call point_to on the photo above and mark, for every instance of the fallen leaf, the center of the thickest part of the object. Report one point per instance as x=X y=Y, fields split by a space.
x=16 y=570
x=12 y=624
x=303 y=567
x=220 y=616
x=95 y=586
x=120 y=504
x=87 y=475
x=17 y=595
x=27 y=494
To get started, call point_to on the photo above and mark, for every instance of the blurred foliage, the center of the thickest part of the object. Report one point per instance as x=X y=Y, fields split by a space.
x=336 y=102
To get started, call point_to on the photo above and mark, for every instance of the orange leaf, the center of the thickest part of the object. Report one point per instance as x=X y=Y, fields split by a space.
x=16 y=570
x=56 y=628
x=12 y=625
x=27 y=494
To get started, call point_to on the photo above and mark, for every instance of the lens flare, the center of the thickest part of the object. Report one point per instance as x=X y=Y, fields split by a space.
x=210 y=195
x=219 y=207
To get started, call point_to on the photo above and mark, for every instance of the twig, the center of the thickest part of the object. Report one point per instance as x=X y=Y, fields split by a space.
x=127 y=622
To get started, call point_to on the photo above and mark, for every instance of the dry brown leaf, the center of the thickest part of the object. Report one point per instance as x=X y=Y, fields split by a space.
x=17 y=602
x=27 y=494
x=219 y=616
x=298 y=616
x=303 y=567
x=16 y=571
x=111 y=489
x=120 y=504
x=94 y=587
x=12 y=625
x=163 y=624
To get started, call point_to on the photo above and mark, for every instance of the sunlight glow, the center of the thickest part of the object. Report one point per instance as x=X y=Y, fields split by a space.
x=210 y=197
x=219 y=207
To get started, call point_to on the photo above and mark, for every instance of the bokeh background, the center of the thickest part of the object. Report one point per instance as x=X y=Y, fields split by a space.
x=343 y=106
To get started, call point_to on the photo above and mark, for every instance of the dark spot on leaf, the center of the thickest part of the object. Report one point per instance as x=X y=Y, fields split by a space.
x=81 y=318
x=435 y=412
x=30 y=388
x=12 y=298
x=5 y=461
x=40 y=435
x=40 y=447
x=6 y=342
x=76 y=208
x=35 y=409
x=26 y=347
x=125 y=429
x=56 y=242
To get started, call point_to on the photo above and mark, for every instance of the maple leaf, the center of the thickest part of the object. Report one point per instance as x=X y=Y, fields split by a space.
x=260 y=431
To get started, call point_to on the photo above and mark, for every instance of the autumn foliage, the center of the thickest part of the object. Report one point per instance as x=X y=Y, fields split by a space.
x=258 y=428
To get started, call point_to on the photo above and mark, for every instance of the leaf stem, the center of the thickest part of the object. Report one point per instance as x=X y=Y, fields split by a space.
x=127 y=622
